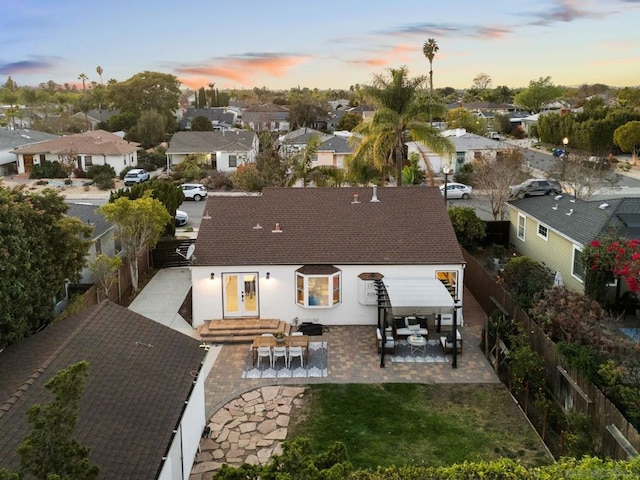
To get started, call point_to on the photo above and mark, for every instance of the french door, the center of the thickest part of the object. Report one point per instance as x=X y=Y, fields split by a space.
x=240 y=294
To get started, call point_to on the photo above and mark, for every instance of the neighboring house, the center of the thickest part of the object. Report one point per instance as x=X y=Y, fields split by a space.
x=221 y=118
x=313 y=253
x=468 y=147
x=266 y=117
x=333 y=152
x=224 y=150
x=11 y=139
x=97 y=147
x=297 y=140
x=554 y=230
x=103 y=236
x=142 y=412
x=484 y=109
x=94 y=117
x=365 y=111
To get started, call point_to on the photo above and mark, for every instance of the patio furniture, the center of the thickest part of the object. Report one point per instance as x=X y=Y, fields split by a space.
x=262 y=352
x=389 y=345
x=289 y=341
x=445 y=320
x=417 y=343
x=447 y=342
x=411 y=325
x=280 y=351
x=296 y=352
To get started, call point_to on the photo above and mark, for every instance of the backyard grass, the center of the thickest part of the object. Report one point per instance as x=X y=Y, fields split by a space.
x=415 y=424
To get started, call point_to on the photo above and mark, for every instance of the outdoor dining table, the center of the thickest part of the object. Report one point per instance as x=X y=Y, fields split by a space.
x=288 y=341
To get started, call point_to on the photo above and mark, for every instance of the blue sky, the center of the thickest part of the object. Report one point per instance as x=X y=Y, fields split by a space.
x=280 y=44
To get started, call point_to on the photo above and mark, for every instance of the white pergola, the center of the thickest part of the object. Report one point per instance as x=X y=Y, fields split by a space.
x=418 y=296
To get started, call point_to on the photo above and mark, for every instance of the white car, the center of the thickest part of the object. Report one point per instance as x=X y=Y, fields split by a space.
x=194 y=191
x=456 y=190
x=136 y=175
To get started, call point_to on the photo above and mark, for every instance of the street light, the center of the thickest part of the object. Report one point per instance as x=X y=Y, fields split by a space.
x=446 y=170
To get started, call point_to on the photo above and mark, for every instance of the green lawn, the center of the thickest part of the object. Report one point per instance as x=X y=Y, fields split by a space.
x=413 y=424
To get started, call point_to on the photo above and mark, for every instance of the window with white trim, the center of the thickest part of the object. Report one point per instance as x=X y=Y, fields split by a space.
x=318 y=286
x=543 y=231
x=522 y=224
x=233 y=161
x=577 y=269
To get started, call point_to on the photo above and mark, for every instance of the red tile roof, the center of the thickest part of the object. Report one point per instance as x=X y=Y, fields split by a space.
x=409 y=225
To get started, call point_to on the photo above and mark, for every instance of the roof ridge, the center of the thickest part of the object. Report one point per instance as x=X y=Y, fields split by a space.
x=31 y=379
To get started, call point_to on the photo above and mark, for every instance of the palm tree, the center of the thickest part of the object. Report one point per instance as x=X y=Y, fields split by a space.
x=84 y=78
x=301 y=163
x=99 y=71
x=430 y=48
x=211 y=102
x=402 y=114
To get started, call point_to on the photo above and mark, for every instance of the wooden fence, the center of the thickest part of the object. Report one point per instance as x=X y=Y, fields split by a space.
x=614 y=436
x=171 y=253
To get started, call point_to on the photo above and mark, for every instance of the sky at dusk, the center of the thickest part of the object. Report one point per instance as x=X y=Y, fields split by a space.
x=281 y=44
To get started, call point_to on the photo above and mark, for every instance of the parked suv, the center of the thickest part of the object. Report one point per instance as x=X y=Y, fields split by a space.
x=536 y=186
x=195 y=191
x=136 y=175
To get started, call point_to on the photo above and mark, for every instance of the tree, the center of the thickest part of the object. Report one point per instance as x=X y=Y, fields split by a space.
x=429 y=49
x=151 y=129
x=201 y=124
x=462 y=118
x=104 y=269
x=585 y=177
x=84 y=78
x=40 y=248
x=304 y=111
x=468 y=227
x=627 y=137
x=481 y=82
x=524 y=278
x=349 y=121
x=99 y=71
x=538 y=93
x=300 y=164
x=494 y=176
x=401 y=108
x=138 y=225
x=49 y=450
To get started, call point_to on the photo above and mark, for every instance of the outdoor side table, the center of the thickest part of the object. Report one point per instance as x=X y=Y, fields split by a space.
x=417 y=343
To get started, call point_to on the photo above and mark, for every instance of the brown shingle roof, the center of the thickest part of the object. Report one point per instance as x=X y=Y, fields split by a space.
x=139 y=377
x=96 y=142
x=408 y=225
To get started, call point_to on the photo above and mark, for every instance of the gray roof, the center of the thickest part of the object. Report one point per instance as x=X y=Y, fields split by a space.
x=588 y=220
x=408 y=226
x=336 y=144
x=217 y=114
x=90 y=214
x=208 y=142
x=471 y=141
x=140 y=374
x=10 y=139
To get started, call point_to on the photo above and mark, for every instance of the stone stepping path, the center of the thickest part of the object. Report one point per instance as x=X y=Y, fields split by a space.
x=248 y=429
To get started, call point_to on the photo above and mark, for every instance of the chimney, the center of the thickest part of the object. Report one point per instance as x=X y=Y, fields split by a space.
x=355 y=198
x=374 y=197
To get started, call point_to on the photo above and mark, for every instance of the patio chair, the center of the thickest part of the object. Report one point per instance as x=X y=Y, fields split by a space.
x=280 y=352
x=296 y=352
x=265 y=352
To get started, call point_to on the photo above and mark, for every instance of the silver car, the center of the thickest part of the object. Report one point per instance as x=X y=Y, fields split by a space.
x=457 y=190
x=536 y=186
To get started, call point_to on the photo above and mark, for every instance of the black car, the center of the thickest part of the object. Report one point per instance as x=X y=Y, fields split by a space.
x=536 y=186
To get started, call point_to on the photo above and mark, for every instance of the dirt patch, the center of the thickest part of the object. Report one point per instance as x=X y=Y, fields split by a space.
x=76 y=189
x=143 y=279
x=186 y=311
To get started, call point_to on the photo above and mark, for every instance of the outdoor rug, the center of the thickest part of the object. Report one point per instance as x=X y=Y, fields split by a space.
x=632 y=333
x=316 y=366
x=434 y=353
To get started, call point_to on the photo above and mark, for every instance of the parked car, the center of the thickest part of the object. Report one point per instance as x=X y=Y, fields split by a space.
x=457 y=190
x=136 y=175
x=536 y=186
x=181 y=218
x=194 y=191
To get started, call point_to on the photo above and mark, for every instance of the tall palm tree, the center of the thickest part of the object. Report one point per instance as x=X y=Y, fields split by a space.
x=99 y=71
x=211 y=100
x=430 y=48
x=84 y=78
x=402 y=114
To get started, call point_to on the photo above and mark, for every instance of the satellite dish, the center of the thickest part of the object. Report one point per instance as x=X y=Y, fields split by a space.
x=189 y=256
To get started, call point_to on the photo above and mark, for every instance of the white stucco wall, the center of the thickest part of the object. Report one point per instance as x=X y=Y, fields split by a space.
x=118 y=162
x=276 y=295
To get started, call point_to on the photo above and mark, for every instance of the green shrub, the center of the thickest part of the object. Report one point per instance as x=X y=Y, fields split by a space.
x=524 y=278
x=48 y=169
x=104 y=181
x=96 y=170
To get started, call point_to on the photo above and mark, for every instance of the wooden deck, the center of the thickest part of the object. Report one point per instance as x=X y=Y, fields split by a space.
x=239 y=330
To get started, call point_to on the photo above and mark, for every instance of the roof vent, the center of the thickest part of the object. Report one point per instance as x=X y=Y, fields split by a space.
x=276 y=229
x=603 y=206
x=555 y=207
x=355 y=198
x=257 y=226
x=570 y=212
x=557 y=197
x=374 y=197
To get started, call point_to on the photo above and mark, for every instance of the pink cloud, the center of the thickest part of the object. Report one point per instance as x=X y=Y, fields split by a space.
x=617 y=61
x=397 y=53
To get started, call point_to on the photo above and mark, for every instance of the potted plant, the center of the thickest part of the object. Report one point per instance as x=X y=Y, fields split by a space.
x=279 y=336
